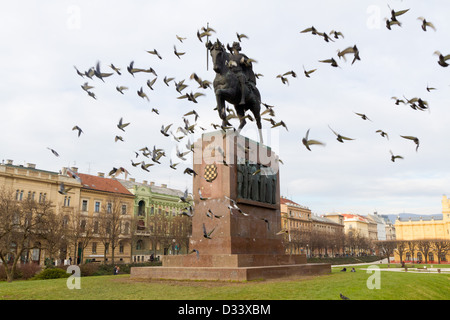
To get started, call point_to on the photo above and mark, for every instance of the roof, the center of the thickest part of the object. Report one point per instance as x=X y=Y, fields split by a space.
x=90 y=182
x=422 y=218
x=323 y=219
x=291 y=203
x=28 y=167
x=155 y=189
x=349 y=216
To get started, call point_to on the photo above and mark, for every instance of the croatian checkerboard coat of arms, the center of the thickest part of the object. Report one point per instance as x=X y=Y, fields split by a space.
x=210 y=172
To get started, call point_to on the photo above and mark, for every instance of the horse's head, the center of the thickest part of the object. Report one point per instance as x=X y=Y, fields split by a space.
x=218 y=53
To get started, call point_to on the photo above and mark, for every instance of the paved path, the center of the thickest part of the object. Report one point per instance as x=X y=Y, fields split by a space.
x=362 y=263
x=385 y=261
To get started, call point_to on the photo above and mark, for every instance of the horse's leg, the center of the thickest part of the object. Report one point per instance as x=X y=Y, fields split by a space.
x=221 y=107
x=240 y=111
x=222 y=95
x=256 y=110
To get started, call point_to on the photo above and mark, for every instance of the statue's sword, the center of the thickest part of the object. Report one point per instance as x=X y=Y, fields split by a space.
x=207 y=40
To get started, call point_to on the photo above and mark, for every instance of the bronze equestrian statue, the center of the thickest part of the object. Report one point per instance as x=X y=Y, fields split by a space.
x=235 y=83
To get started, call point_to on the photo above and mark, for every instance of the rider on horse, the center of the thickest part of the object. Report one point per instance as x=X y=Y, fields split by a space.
x=242 y=67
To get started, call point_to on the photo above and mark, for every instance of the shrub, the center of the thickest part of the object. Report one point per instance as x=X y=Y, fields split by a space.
x=29 y=270
x=51 y=273
x=88 y=269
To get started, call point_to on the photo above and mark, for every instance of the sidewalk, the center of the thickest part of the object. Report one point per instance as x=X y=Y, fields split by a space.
x=385 y=261
x=361 y=264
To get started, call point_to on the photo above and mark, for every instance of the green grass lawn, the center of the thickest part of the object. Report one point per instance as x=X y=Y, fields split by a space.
x=394 y=286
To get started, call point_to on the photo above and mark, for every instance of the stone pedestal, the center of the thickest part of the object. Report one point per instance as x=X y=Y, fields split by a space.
x=237 y=222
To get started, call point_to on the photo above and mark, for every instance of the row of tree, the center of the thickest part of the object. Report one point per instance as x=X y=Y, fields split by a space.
x=27 y=226
x=410 y=248
x=317 y=242
x=324 y=243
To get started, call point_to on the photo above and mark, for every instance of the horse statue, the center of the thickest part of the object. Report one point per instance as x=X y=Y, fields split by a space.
x=235 y=83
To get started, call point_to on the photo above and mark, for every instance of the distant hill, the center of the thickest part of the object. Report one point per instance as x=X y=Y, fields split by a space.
x=413 y=216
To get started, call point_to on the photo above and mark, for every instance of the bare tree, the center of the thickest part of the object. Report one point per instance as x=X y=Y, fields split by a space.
x=21 y=223
x=80 y=232
x=424 y=246
x=401 y=248
x=386 y=248
x=441 y=246
x=111 y=219
x=411 y=244
x=54 y=231
x=158 y=227
x=182 y=230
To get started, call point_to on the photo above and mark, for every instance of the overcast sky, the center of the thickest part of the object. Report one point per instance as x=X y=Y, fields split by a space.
x=41 y=98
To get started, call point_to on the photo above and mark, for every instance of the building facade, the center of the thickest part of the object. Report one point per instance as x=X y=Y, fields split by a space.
x=106 y=208
x=434 y=229
x=159 y=228
x=380 y=226
x=308 y=233
x=84 y=204
x=29 y=183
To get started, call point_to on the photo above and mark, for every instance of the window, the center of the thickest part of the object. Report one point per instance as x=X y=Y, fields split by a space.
x=97 y=206
x=84 y=205
x=141 y=208
x=65 y=221
x=124 y=209
x=19 y=194
x=121 y=247
x=139 y=245
x=95 y=226
x=109 y=207
x=94 y=247
x=83 y=225
x=67 y=201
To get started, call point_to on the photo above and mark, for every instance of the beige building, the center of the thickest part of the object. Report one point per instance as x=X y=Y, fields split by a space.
x=425 y=227
x=160 y=228
x=431 y=228
x=294 y=216
x=105 y=198
x=356 y=224
x=28 y=182
x=307 y=232
x=87 y=196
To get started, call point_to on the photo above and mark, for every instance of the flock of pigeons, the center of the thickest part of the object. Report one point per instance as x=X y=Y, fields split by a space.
x=189 y=119
x=155 y=155
x=416 y=103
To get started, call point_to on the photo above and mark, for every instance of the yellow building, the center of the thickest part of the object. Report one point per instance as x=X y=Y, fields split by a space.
x=105 y=198
x=356 y=224
x=309 y=233
x=28 y=182
x=424 y=228
x=85 y=198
